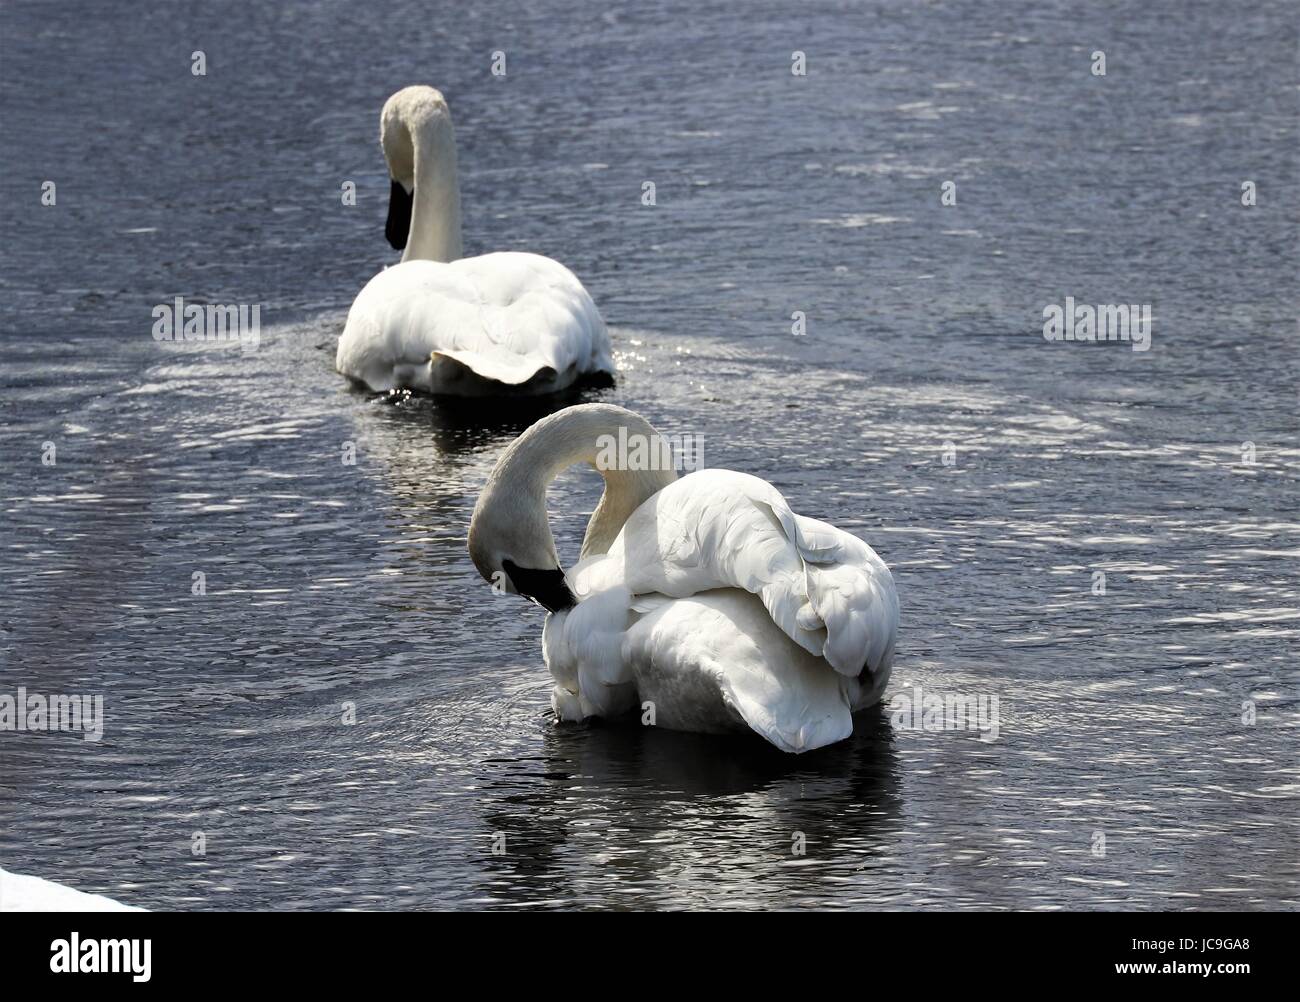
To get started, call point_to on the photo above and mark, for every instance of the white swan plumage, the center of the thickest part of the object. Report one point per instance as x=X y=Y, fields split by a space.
x=706 y=597
x=502 y=323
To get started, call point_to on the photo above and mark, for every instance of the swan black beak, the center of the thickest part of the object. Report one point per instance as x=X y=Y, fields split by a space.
x=547 y=588
x=399 y=216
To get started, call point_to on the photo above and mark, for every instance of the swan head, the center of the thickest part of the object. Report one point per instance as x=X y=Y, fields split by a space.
x=419 y=146
x=510 y=537
x=513 y=548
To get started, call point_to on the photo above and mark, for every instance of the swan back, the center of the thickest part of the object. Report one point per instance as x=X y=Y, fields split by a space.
x=514 y=320
x=824 y=588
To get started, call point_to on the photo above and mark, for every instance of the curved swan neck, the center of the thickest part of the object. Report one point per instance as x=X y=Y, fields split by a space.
x=419 y=145
x=514 y=501
x=585 y=434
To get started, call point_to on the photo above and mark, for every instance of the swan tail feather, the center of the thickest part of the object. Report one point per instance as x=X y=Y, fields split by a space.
x=499 y=368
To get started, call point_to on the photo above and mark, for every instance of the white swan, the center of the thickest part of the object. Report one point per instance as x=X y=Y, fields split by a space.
x=705 y=596
x=20 y=893
x=499 y=323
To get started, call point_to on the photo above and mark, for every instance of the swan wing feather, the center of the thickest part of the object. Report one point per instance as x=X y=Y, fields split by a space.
x=717 y=660
x=826 y=589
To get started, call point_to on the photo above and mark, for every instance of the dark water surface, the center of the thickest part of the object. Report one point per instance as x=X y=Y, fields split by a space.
x=1121 y=714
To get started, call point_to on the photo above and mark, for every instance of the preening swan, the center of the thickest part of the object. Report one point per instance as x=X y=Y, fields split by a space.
x=504 y=323
x=703 y=603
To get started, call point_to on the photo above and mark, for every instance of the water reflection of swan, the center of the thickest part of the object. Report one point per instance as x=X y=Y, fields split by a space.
x=661 y=819
x=456 y=425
